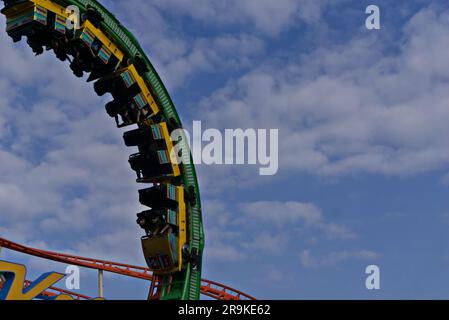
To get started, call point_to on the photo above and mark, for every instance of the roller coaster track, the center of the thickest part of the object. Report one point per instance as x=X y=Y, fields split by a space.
x=208 y=288
x=54 y=291
x=191 y=276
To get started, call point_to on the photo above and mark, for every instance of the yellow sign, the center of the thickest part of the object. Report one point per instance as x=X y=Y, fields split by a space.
x=14 y=281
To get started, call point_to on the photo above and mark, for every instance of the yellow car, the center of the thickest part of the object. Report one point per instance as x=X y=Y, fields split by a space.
x=164 y=244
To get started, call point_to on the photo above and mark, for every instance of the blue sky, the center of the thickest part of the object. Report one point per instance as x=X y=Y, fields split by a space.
x=364 y=154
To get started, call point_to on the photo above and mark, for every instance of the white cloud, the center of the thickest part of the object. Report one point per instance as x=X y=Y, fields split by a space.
x=179 y=56
x=121 y=246
x=223 y=244
x=294 y=214
x=266 y=16
x=264 y=228
x=350 y=108
x=267 y=244
x=219 y=54
x=282 y=213
x=335 y=258
x=224 y=252
x=275 y=275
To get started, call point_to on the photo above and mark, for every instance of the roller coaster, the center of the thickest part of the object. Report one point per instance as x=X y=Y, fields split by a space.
x=96 y=44
x=208 y=288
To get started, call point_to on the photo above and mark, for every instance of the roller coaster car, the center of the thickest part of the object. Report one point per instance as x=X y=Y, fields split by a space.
x=153 y=162
x=140 y=137
x=92 y=50
x=93 y=16
x=24 y=18
x=60 y=41
x=42 y=27
x=164 y=246
x=149 y=135
x=128 y=113
x=139 y=64
x=126 y=85
x=160 y=196
x=153 y=166
x=120 y=84
x=156 y=221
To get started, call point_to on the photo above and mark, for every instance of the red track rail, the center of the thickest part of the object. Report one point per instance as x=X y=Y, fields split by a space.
x=209 y=288
x=54 y=291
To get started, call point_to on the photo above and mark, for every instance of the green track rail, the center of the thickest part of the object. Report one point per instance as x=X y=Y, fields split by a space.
x=185 y=285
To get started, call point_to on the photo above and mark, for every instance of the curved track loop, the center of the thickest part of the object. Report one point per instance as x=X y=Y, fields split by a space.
x=208 y=288
x=185 y=284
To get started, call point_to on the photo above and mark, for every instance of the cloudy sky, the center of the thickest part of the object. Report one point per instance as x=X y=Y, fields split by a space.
x=364 y=149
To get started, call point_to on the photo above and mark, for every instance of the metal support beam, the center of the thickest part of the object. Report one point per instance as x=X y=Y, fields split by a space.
x=100 y=284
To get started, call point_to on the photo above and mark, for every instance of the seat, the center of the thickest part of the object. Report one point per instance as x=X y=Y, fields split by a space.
x=151 y=166
x=157 y=197
x=140 y=137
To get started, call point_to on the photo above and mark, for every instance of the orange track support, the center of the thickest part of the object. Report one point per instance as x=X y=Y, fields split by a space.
x=155 y=289
x=209 y=288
